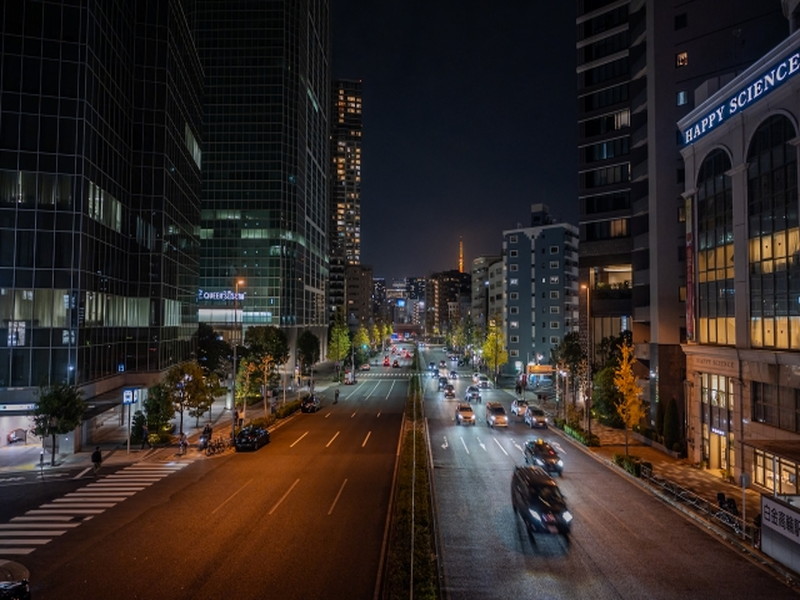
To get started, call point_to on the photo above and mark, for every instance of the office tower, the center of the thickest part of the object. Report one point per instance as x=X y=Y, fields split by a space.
x=99 y=195
x=345 y=223
x=639 y=63
x=541 y=288
x=479 y=311
x=358 y=296
x=448 y=301
x=264 y=219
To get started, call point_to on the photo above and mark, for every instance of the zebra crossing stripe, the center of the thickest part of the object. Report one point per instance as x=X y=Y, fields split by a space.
x=23 y=534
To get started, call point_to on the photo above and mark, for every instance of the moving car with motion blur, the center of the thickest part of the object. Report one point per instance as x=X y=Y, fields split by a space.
x=496 y=415
x=536 y=498
x=535 y=417
x=465 y=415
x=473 y=394
x=251 y=437
x=541 y=454
x=518 y=407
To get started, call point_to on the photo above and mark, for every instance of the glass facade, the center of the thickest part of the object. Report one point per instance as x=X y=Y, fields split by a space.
x=715 y=303
x=98 y=192
x=774 y=236
x=264 y=216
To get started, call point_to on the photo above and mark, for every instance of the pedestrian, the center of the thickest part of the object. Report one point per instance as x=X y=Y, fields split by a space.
x=97 y=460
x=336 y=396
x=182 y=443
x=145 y=437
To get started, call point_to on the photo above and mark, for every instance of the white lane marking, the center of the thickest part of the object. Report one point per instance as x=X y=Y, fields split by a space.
x=224 y=502
x=364 y=443
x=499 y=446
x=82 y=473
x=35 y=541
x=481 y=444
x=333 y=438
x=378 y=416
x=31 y=533
x=355 y=412
x=465 y=445
x=26 y=520
x=335 y=500
x=445 y=445
x=71 y=511
x=518 y=447
x=16 y=526
x=278 y=503
x=298 y=439
x=327 y=414
x=18 y=550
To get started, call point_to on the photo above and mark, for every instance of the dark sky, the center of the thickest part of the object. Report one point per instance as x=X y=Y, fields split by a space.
x=469 y=118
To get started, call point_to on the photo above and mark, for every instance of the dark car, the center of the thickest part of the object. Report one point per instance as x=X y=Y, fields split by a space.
x=449 y=391
x=395 y=365
x=15 y=590
x=443 y=381
x=541 y=454
x=251 y=438
x=536 y=498
x=309 y=404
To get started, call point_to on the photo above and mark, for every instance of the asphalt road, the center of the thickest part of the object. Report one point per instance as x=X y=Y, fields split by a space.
x=303 y=517
x=625 y=544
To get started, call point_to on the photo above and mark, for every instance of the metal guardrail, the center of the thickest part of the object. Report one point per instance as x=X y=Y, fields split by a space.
x=709 y=511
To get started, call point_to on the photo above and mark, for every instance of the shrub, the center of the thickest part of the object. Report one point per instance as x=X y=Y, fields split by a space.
x=631 y=464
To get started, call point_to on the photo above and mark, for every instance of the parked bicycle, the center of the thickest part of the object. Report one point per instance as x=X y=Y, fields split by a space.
x=218 y=445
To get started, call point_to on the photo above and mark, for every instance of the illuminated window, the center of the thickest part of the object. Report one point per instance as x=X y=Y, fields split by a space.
x=682 y=98
x=681 y=59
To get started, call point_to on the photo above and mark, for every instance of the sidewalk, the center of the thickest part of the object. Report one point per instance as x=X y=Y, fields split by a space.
x=112 y=438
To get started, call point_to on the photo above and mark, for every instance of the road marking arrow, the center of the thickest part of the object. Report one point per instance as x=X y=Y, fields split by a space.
x=445 y=445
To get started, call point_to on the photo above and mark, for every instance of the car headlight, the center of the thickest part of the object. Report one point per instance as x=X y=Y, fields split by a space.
x=535 y=515
x=560 y=463
x=567 y=516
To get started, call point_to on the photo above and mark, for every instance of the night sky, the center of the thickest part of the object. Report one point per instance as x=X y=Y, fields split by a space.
x=469 y=118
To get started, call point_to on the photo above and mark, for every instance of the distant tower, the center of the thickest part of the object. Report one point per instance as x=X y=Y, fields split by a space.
x=460 y=255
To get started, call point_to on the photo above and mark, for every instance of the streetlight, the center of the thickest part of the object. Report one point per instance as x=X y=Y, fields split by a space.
x=235 y=338
x=589 y=355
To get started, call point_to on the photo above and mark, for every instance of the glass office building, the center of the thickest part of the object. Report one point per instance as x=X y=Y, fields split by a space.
x=264 y=222
x=99 y=194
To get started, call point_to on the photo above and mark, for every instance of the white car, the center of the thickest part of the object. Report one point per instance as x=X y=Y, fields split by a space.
x=496 y=415
x=518 y=407
x=465 y=414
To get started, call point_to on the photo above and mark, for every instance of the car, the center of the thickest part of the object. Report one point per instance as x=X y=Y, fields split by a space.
x=15 y=590
x=309 y=404
x=476 y=377
x=385 y=361
x=465 y=414
x=395 y=364
x=443 y=381
x=432 y=366
x=453 y=375
x=483 y=381
x=541 y=454
x=251 y=437
x=364 y=367
x=473 y=394
x=449 y=391
x=349 y=378
x=535 y=417
x=536 y=498
x=17 y=435
x=496 y=415
x=518 y=407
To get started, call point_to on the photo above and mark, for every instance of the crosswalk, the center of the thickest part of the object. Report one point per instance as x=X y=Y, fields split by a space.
x=24 y=534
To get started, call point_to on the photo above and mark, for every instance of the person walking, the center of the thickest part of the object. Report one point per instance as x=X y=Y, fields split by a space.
x=97 y=460
x=336 y=396
x=145 y=437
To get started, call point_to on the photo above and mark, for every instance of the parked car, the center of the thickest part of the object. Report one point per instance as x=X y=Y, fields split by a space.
x=449 y=391
x=496 y=415
x=251 y=438
x=541 y=454
x=473 y=394
x=535 y=497
x=465 y=414
x=309 y=404
x=535 y=417
x=518 y=407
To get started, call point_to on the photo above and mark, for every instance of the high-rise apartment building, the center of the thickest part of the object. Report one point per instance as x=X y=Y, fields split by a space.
x=639 y=63
x=541 y=288
x=99 y=195
x=265 y=212
x=480 y=290
x=345 y=211
x=448 y=300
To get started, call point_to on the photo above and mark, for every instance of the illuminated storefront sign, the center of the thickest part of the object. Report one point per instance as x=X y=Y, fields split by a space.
x=753 y=91
x=203 y=295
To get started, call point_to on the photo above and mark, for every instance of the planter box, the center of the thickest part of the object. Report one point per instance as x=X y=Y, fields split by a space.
x=654 y=444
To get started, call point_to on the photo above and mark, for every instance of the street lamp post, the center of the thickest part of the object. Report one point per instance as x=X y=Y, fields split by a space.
x=235 y=338
x=589 y=355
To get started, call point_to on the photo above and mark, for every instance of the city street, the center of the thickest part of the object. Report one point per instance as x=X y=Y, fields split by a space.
x=303 y=517
x=625 y=543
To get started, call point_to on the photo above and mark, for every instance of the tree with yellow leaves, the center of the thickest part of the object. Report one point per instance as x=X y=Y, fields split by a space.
x=630 y=407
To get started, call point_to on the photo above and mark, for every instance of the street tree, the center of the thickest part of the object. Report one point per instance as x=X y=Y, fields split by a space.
x=267 y=339
x=374 y=336
x=187 y=387
x=568 y=356
x=307 y=349
x=494 y=349
x=58 y=410
x=361 y=343
x=630 y=406
x=339 y=344
x=213 y=351
x=158 y=408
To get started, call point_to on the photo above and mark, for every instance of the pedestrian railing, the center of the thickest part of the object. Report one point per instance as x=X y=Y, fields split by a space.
x=711 y=512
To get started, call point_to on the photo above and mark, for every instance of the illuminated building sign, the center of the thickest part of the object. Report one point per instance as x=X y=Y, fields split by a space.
x=203 y=295
x=750 y=93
